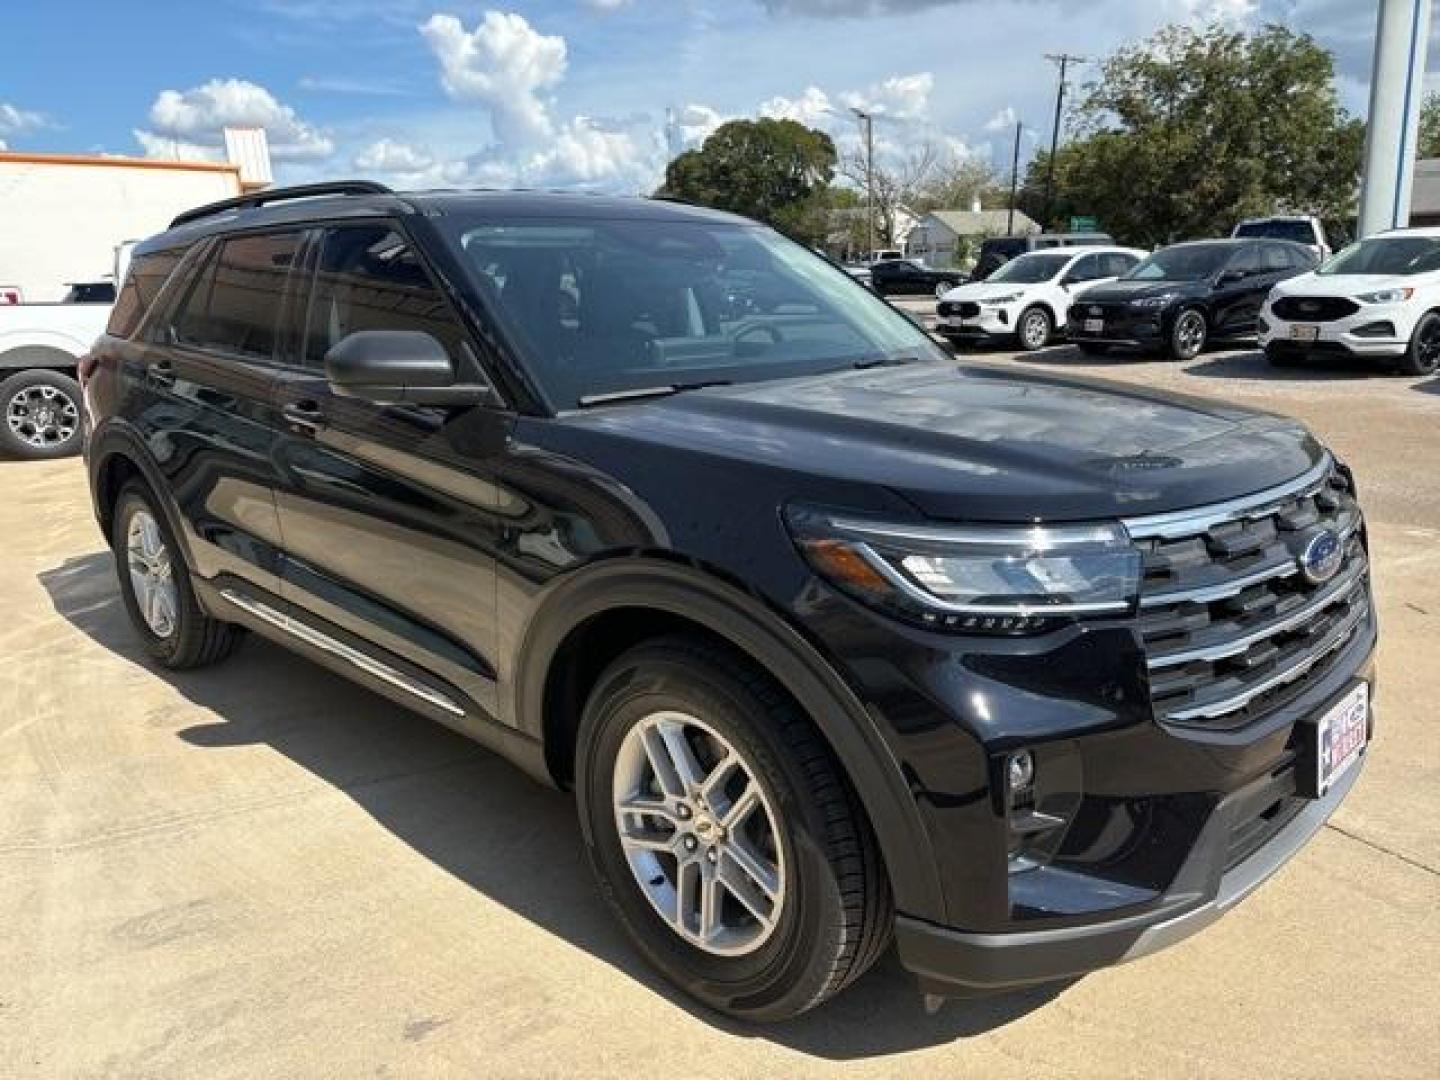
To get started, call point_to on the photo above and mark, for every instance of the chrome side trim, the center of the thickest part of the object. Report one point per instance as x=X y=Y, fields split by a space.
x=1339 y=590
x=368 y=664
x=1338 y=637
x=1192 y=522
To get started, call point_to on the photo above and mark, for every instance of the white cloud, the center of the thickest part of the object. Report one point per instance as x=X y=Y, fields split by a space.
x=812 y=108
x=606 y=5
x=196 y=118
x=15 y=120
x=1003 y=120
x=850 y=7
x=902 y=97
x=162 y=146
x=4 y=145
x=390 y=156
x=696 y=123
x=586 y=155
x=503 y=64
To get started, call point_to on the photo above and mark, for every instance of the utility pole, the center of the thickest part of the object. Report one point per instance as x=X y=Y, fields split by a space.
x=869 y=121
x=1064 y=60
x=1014 y=179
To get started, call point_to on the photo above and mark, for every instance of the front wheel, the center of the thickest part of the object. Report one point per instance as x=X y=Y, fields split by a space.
x=1187 y=336
x=42 y=415
x=723 y=834
x=1423 y=356
x=1034 y=329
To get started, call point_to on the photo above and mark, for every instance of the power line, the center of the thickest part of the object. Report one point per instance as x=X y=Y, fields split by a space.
x=1064 y=60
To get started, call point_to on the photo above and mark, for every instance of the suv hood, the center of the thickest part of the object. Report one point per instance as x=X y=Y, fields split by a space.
x=1313 y=284
x=984 y=290
x=1123 y=291
x=972 y=443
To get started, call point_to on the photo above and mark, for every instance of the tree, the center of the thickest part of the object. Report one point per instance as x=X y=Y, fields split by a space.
x=1429 y=145
x=777 y=171
x=1186 y=134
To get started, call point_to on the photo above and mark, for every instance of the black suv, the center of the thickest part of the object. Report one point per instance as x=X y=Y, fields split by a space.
x=1186 y=295
x=833 y=639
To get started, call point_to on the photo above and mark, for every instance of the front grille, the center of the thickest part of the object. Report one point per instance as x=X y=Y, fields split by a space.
x=1232 y=627
x=1314 y=308
x=963 y=309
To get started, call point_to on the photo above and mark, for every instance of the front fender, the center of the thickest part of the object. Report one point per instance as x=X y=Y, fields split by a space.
x=687 y=592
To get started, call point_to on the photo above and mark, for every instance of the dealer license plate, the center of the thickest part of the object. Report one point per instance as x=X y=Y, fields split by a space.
x=1340 y=737
x=1304 y=333
x=1094 y=326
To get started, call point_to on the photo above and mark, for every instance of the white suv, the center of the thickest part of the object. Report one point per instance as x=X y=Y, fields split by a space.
x=1377 y=299
x=1030 y=296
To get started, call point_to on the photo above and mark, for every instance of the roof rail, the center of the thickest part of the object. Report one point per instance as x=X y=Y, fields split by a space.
x=281 y=194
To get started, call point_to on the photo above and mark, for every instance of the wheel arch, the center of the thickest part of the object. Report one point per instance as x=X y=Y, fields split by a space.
x=33 y=356
x=115 y=457
x=588 y=620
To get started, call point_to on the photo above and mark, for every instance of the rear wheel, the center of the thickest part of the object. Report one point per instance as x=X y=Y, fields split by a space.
x=42 y=415
x=1188 y=335
x=155 y=585
x=723 y=834
x=1423 y=356
x=1034 y=329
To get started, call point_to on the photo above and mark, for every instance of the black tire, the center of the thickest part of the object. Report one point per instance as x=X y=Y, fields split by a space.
x=1423 y=355
x=1093 y=348
x=1034 y=329
x=1188 y=335
x=197 y=639
x=836 y=916
x=40 y=415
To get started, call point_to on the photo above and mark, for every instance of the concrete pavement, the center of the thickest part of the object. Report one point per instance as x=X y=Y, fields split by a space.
x=262 y=870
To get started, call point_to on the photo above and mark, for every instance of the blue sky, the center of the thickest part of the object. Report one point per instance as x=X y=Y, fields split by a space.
x=564 y=92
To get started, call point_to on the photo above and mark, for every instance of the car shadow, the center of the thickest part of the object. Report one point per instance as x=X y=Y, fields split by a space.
x=1252 y=365
x=482 y=820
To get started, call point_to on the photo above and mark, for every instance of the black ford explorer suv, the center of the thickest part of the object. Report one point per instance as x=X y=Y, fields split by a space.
x=832 y=638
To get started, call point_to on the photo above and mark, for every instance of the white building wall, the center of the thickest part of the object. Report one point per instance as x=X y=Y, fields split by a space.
x=61 y=218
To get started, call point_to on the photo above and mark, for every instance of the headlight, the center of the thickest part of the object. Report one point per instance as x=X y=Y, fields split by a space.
x=997 y=301
x=1163 y=300
x=1007 y=580
x=1386 y=296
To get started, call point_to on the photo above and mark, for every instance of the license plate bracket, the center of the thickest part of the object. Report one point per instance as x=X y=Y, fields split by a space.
x=1305 y=333
x=1094 y=326
x=1333 y=743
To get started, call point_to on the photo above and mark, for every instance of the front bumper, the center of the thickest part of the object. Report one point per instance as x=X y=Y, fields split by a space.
x=1120 y=325
x=1339 y=337
x=956 y=963
x=990 y=322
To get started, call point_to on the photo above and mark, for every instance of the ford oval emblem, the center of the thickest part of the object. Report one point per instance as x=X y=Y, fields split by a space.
x=1321 y=557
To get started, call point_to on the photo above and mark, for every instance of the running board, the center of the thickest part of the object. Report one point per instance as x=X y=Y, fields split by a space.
x=324 y=642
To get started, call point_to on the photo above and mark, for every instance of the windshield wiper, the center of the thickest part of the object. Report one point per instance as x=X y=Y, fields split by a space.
x=612 y=397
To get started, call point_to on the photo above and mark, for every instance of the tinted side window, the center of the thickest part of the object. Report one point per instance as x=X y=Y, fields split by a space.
x=235 y=305
x=370 y=278
x=143 y=282
x=1247 y=260
x=1086 y=269
x=1118 y=265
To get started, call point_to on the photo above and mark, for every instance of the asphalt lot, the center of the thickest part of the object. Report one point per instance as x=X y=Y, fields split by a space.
x=261 y=870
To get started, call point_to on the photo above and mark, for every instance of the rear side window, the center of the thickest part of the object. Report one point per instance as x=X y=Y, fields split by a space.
x=234 y=307
x=370 y=278
x=1117 y=265
x=147 y=276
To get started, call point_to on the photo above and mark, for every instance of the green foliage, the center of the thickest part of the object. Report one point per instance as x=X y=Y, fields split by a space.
x=777 y=171
x=1188 y=133
x=1430 y=126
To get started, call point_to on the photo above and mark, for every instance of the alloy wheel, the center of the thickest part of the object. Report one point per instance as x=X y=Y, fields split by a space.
x=699 y=834
x=1190 y=334
x=1035 y=330
x=42 y=416
x=151 y=574
x=1428 y=347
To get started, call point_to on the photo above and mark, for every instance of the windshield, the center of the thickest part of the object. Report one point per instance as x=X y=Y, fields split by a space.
x=1300 y=232
x=1392 y=256
x=1030 y=269
x=1189 y=262
x=601 y=307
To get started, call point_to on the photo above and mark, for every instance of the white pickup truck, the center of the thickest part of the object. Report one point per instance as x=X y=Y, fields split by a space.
x=40 y=348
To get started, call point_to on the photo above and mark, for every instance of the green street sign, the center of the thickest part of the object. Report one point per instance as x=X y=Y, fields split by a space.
x=1084 y=224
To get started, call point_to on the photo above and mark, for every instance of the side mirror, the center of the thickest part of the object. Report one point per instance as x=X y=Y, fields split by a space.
x=397 y=366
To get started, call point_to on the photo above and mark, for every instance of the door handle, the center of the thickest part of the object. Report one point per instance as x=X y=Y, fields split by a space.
x=304 y=415
x=161 y=373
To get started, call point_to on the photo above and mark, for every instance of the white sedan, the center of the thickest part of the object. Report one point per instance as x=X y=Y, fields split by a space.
x=1378 y=299
x=1030 y=296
